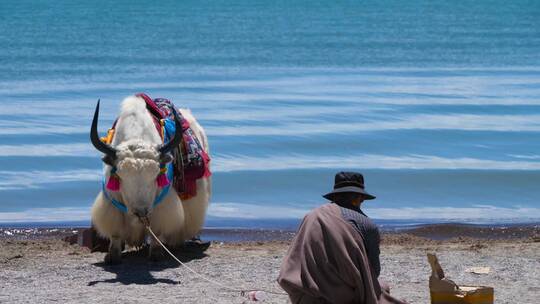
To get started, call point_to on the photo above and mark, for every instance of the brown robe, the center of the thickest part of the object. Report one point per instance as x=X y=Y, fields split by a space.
x=327 y=263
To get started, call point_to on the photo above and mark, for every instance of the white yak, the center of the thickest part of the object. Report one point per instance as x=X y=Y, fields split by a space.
x=137 y=151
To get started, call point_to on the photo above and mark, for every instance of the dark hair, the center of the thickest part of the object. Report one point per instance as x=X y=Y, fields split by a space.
x=345 y=198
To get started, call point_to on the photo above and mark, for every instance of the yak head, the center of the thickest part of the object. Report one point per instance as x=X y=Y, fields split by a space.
x=136 y=169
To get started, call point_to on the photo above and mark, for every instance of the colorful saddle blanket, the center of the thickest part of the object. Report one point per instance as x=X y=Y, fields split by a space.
x=191 y=162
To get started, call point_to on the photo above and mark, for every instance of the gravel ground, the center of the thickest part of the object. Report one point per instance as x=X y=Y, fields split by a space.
x=47 y=271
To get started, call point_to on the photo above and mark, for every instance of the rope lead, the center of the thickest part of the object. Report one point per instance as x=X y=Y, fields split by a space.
x=252 y=293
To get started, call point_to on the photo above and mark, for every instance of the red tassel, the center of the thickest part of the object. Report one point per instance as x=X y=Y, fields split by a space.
x=163 y=180
x=114 y=183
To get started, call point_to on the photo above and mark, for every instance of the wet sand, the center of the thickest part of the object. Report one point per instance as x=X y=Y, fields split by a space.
x=41 y=268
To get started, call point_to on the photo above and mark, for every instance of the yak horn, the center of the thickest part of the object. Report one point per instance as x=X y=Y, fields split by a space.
x=173 y=143
x=101 y=146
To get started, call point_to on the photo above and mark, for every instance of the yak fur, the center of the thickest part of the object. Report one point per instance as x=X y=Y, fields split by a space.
x=173 y=220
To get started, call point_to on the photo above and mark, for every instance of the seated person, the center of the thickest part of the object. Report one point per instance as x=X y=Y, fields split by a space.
x=334 y=257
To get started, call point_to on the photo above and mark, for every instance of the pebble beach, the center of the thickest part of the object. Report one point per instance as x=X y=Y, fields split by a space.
x=42 y=268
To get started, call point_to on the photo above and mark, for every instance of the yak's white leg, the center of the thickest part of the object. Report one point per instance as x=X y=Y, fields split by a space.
x=114 y=256
x=156 y=252
x=107 y=220
x=109 y=223
x=195 y=208
x=166 y=221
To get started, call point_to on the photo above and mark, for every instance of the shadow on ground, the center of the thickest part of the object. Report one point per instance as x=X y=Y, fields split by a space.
x=136 y=268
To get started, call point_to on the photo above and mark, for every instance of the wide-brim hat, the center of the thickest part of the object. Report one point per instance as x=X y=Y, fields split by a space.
x=349 y=182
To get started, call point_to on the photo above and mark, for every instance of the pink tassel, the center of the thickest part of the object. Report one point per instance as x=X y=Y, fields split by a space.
x=114 y=183
x=163 y=181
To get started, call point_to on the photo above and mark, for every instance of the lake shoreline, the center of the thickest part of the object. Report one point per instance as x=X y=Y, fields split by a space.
x=437 y=232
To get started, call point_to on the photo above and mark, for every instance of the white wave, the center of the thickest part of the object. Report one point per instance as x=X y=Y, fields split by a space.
x=13 y=180
x=465 y=122
x=524 y=156
x=228 y=163
x=47 y=129
x=279 y=114
x=293 y=125
x=248 y=211
x=358 y=98
x=46 y=215
x=298 y=119
x=48 y=150
x=475 y=212
x=352 y=85
x=45 y=109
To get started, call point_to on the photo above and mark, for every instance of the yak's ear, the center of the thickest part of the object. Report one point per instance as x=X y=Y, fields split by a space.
x=108 y=160
x=165 y=158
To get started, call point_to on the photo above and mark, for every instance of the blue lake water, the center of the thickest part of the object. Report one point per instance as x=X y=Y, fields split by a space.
x=437 y=103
